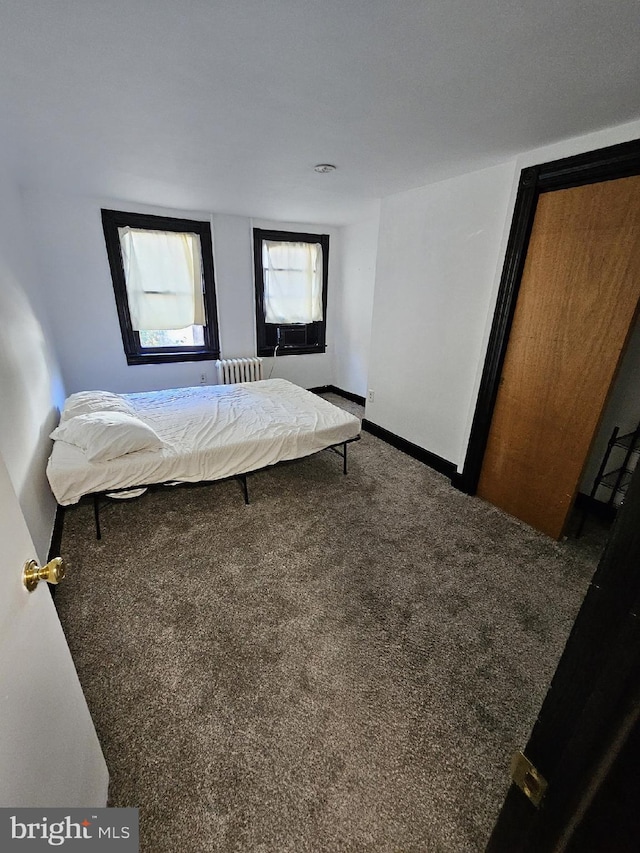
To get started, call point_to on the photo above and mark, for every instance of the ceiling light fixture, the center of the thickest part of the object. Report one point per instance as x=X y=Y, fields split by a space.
x=323 y=168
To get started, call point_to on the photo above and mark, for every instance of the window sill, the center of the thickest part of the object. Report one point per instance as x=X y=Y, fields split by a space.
x=171 y=357
x=267 y=352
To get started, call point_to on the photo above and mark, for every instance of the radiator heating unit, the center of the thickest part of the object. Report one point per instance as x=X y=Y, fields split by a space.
x=231 y=370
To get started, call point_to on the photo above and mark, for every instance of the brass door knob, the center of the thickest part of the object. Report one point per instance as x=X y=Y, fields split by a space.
x=53 y=572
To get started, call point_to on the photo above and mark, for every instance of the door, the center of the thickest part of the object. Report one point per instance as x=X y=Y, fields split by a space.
x=591 y=704
x=576 y=305
x=49 y=750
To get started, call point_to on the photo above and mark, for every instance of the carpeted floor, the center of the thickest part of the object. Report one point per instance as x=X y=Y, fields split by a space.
x=346 y=664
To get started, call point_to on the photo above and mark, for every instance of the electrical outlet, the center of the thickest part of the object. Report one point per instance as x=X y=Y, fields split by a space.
x=372 y=395
x=203 y=378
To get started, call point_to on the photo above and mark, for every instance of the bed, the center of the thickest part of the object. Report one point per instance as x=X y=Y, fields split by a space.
x=110 y=445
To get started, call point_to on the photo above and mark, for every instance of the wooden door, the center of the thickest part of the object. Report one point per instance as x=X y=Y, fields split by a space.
x=576 y=305
x=49 y=751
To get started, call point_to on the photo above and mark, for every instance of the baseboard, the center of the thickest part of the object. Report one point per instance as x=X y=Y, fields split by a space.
x=348 y=395
x=55 y=546
x=332 y=389
x=442 y=466
x=458 y=481
x=56 y=535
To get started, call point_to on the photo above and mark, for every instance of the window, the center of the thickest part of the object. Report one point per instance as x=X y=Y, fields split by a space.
x=162 y=272
x=291 y=291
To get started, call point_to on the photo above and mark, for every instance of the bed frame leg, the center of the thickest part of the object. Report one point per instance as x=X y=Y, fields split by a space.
x=344 y=458
x=96 y=515
x=243 y=482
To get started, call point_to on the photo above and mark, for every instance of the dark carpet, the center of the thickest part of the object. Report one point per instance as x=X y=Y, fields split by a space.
x=346 y=664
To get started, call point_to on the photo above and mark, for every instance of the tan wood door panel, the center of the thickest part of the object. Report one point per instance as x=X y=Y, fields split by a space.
x=576 y=305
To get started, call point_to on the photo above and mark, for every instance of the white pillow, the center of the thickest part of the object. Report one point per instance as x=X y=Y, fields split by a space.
x=86 y=402
x=107 y=435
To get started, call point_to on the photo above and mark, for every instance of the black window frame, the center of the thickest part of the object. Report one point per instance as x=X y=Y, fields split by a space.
x=275 y=335
x=134 y=351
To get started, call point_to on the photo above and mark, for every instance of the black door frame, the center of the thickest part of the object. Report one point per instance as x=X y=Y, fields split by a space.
x=605 y=164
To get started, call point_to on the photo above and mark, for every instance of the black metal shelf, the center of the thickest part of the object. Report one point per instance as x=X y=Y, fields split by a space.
x=618 y=479
x=615 y=472
x=629 y=440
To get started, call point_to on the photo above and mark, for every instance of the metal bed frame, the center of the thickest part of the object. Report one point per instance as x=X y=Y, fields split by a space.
x=340 y=449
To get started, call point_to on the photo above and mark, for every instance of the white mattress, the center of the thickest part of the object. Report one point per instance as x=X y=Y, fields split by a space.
x=210 y=432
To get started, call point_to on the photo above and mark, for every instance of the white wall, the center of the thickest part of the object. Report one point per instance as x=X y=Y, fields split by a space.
x=234 y=286
x=30 y=384
x=437 y=255
x=440 y=251
x=565 y=148
x=440 y=257
x=352 y=319
x=67 y=235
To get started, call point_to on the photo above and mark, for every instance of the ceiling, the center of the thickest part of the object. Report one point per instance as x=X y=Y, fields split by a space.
x=226 y=105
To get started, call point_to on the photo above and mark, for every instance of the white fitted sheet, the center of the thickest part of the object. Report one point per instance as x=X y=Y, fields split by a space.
x=209 y=432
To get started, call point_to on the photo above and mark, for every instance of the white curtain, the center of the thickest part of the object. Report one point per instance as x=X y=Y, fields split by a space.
x=163 y=275
x=292 y=282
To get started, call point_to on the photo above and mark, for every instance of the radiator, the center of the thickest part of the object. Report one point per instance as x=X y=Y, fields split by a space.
x=232 y=370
